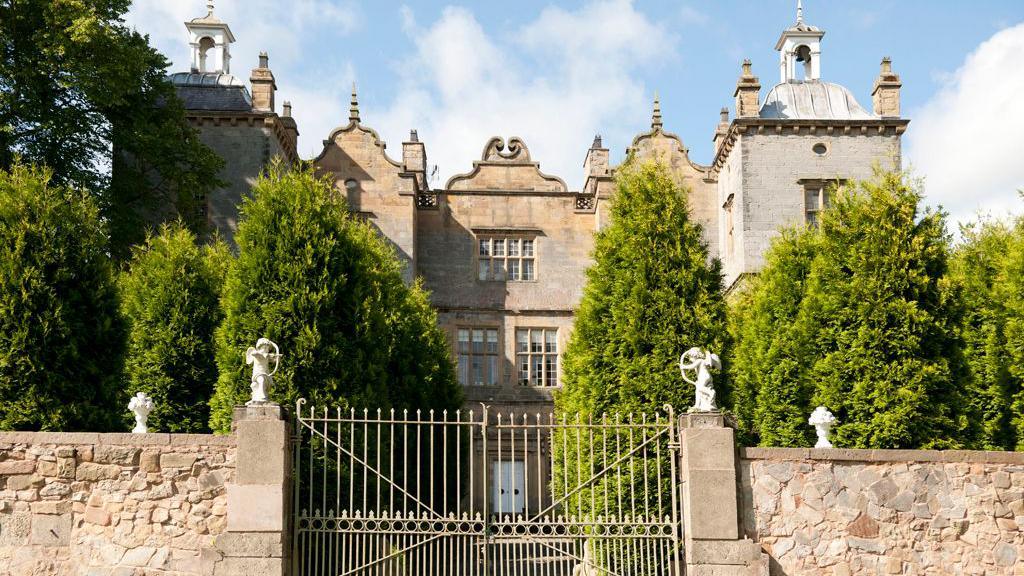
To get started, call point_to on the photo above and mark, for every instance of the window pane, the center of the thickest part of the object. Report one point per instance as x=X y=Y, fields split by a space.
x=478 y=371
x=812 y=219
x=498 y=246
x=513 y=247
x=527 y=248
x=550 y=341
x=485 y=247
x=478 y=341
x=524 y=369
x=513 y=269
x=484 y=269
x=537 y=364
x=826 y=198
x=463 y=341
x=463 y=369
x=492 y=370
x=492 y=341
x=811 y=198
x=521 y=341
x=498 y=267
x=551 y=370
x=536 y=342
x=527 y=270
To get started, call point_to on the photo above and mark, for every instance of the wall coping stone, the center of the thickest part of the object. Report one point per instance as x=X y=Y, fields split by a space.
x=115 y=439
x=867 y=455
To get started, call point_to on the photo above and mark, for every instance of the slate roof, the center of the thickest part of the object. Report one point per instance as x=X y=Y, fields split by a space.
x=212 y=91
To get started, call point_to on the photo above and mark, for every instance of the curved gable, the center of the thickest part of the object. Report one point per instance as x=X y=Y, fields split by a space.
x=506 y=168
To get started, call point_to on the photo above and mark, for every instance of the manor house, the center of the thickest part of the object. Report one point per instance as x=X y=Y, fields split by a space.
x=503 y=247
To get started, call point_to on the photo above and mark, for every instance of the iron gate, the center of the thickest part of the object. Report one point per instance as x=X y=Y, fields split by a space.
x=481 y=494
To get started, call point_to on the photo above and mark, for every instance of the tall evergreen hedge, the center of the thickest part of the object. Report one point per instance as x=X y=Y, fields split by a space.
x=867 y=325
x=61 y=335
x=651 y=294
x=170 y=295
x=328 y=290
x=988 y=265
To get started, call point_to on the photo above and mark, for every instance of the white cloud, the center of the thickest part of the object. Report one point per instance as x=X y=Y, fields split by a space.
x=965 y=139
x=555 y=82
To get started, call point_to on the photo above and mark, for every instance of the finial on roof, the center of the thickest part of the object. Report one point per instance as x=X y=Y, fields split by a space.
x=353 y=111
x=209 y=8
x=747 y=67
x=656 y=116
x=799 y=12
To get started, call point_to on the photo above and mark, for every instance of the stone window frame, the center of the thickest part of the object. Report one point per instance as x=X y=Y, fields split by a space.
x=549 y=358
x=818 y=191
x=520 y=238
x=492 y=359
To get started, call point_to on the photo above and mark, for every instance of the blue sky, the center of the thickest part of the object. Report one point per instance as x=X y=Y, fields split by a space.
x=556 y=73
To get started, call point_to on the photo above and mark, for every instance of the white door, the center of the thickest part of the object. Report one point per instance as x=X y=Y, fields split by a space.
x=509 y=483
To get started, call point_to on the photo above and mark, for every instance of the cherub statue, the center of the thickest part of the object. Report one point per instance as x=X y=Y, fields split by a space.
x=823 y=421
x=700 y=362
x=586 y=567
x=260 y=357
x=140 y=405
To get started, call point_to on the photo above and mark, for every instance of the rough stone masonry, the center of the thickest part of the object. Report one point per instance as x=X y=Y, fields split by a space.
x=113 y=504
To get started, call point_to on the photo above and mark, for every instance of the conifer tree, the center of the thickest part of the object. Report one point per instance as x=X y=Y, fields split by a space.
x=328 y=290
x=170 y=296
x=989 y=267
x=875 y=332
x=651 y=294
x=61 y=335
x=771 y=392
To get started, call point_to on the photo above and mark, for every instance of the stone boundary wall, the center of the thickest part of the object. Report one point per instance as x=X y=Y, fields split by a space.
x=841 y=511
x=113 y=504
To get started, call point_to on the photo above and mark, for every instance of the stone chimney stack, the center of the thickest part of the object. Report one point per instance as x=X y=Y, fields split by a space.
x=595 y=165
x=722 y=129
x=263 y=86
x=886 y=94
x=748 y=93
x=414 y=156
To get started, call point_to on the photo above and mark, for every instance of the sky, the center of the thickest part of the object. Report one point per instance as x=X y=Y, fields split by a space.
x=556 y=73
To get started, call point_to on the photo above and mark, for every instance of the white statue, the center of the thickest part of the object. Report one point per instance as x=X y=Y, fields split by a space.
x=260 y=357
x=586 y=567
x=700 y=362
x=822 y=420
x=140 y=405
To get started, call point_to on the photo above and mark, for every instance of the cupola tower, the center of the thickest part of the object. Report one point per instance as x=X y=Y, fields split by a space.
x=799 y=50
x=211 y=40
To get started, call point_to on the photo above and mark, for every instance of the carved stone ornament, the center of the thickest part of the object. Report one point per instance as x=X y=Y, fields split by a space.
x=586 y=567
x=260 y=357
x=495 y=150
x=140 y=405
x=696 y=365
x=823 y=421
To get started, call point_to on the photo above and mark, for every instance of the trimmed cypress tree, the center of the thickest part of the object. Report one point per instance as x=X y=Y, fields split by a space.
x=170 y=295
x=989 y=267
x=61 y=335
x=651 y=294
x=771 y=391
x=328 y=290
x=875 y=332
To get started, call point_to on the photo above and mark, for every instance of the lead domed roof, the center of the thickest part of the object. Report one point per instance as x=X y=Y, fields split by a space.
x=812 y=100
